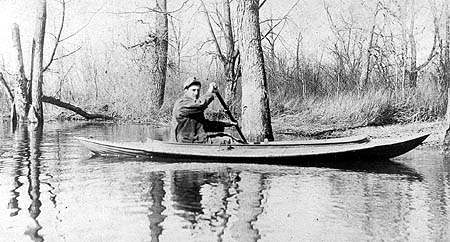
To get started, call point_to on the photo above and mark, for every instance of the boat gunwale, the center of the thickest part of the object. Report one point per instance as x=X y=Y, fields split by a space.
x=415 y=140
x=359 y=139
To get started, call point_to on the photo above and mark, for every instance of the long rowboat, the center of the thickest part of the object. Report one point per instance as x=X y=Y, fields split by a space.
x=345 y=149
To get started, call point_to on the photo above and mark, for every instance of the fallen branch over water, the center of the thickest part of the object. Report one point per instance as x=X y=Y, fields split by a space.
x=75 y=109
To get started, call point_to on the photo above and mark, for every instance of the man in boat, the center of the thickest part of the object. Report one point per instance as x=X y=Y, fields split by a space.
x=189 y=124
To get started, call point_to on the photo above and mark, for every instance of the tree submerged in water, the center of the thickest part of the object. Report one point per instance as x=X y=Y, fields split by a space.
x=27 y=97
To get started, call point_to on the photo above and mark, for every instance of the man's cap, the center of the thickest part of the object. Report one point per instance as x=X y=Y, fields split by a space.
x=191 y=81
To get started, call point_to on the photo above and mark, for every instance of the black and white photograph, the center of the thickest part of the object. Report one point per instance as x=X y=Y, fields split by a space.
x=224 y=120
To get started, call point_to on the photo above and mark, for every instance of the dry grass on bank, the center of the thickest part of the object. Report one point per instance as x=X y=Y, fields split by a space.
x=316 y=116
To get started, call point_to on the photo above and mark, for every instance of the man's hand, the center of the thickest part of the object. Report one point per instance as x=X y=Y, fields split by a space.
x=231 y=123
x=213 y=88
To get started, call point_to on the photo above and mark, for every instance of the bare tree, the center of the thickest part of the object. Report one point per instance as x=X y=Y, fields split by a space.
x=228 y=56
x=414 y=69
x=347 y=51
x=158 y=80
x=20 y=104
x=405 y=15
x=256 y=121
x=273 y=34
x=298 y=69
x=25 y=92
x=366 y=60
x=36 y=115
x=179 y=40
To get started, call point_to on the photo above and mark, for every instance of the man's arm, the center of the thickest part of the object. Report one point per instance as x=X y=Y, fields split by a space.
x=188 y=106
x=217 y=126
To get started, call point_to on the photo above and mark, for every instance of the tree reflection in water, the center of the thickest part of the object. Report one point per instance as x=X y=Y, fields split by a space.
x=21 y=148
x=27 y=142
x=247 y=207
x=216 y=205
x=157 y=194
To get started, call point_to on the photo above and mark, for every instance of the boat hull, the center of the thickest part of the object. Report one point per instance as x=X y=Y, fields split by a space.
x=280 y=152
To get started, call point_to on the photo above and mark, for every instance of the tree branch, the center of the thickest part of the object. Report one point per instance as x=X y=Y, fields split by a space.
x=8 y=90
x=75 y=109
x=152 y=10
x=213 y=35
x=58 y=37
x=261 y=4
x=284 y=18
x=433 y=48
x=71 y=53
x=84 y=26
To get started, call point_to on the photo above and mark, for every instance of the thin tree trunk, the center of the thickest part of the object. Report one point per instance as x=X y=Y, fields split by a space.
x=20 y=104
x=36 y=115
x=298 y=72
x=271 y=41
x=413 y=70
x=404 y=50
x=404 y=63
x=158 y=84
x=256 y=123
x=366 y=60
x=230 y=58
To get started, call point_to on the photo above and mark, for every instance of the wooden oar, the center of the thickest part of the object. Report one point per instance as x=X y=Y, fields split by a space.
x=231 y=117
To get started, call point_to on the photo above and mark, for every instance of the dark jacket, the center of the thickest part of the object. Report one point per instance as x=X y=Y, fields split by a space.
x=188 y=120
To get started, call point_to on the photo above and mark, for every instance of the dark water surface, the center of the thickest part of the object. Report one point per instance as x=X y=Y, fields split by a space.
x=51 y=189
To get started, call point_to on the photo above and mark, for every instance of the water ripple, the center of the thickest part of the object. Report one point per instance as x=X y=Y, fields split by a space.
x=52 y=189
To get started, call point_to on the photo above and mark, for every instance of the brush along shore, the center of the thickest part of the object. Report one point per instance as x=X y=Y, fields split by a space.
x=437 y=129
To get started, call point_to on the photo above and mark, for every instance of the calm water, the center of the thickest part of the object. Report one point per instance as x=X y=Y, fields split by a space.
x=51 y=189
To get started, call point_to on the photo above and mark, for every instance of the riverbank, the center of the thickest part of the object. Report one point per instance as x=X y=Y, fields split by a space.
x=436 y=129
x=292 y=128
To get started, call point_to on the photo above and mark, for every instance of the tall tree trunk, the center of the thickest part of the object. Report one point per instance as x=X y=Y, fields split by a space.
x=445 y=70
x=36 y=115
x=256 y=123
x=446 y=53
x=20 y=104
x=161 y=45
x=230 y=59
